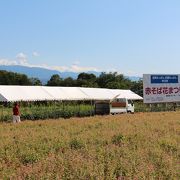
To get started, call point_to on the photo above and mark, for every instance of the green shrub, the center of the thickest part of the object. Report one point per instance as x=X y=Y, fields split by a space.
x=169 y=148
x=29 y=157
x=120 y=172
x=41 y=112
x=76 y=144
x=118 y=139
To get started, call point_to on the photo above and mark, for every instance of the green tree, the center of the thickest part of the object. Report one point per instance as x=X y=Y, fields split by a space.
x=137 y=87
x=23 y=80
x=35 y=82
x=11 y=78
x=113 y=81
x=55 y=80
x=69 y=82
x=86 y=76
x=87 y=80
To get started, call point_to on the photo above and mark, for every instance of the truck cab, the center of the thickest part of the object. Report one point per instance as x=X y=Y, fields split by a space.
x=130 y=106
x=121 y=105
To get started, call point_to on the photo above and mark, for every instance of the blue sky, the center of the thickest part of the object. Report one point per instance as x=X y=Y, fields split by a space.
x=128 y=36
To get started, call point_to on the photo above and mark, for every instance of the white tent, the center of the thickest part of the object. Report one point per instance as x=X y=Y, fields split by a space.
x=66 y=93
x=98 y=93
x=75 y=93
x=23 y=93
x=56 y=92
x=40 y=93
x=128 y=94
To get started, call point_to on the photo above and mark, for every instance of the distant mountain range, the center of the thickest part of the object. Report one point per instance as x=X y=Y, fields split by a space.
x=45 y=74
x=134 y=78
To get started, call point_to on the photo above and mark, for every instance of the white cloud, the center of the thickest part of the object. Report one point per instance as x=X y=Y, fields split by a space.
x=77 y=68
x=35 y=54
x=59 y=68
x=22 y=59
x=124 y=72
x=73 y=68
x=21 y=56
x=8 y=62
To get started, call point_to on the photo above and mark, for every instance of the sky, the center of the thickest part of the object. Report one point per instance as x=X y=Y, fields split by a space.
x=131 y=37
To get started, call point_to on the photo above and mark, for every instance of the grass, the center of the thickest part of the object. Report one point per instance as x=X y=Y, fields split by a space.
x=138 y=146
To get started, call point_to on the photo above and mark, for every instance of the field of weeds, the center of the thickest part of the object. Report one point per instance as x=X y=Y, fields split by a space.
x=128 y=146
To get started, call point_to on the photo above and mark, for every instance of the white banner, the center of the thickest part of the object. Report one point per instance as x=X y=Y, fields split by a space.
x=160 y=88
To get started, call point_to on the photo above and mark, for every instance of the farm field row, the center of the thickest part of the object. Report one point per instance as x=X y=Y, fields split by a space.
x=130 y=146
x=54 y=110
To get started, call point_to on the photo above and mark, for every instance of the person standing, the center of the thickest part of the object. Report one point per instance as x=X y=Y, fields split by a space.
x=16 y=113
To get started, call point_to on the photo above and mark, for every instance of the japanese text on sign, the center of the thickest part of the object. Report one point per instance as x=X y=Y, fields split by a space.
x=164 y=79
x=161 y=88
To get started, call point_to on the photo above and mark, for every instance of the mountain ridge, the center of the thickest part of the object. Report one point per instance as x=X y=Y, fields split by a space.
x=45 y=74
x=41 y=73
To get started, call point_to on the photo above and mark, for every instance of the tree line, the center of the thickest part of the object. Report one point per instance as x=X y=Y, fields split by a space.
x=111 y=80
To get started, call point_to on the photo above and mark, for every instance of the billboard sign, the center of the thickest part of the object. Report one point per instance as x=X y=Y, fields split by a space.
x=160 y=88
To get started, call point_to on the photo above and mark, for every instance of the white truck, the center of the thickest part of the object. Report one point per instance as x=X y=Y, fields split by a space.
x=116 y=106
x=121 y=105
